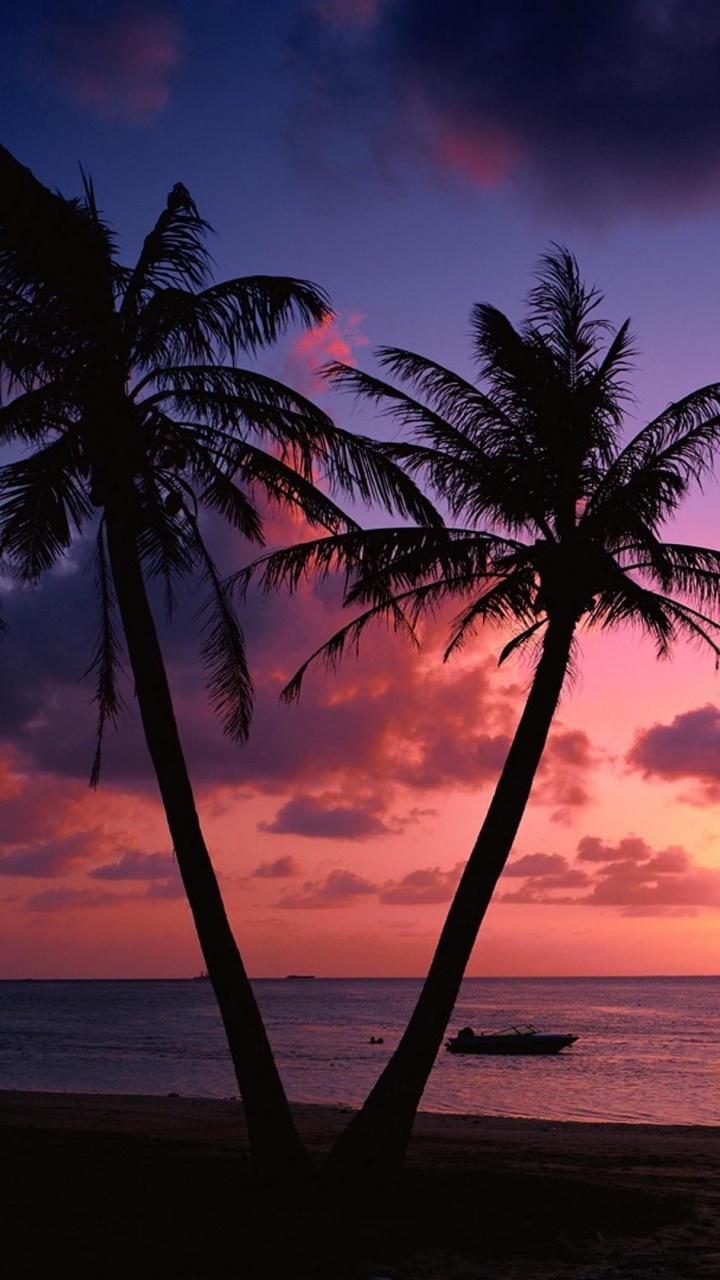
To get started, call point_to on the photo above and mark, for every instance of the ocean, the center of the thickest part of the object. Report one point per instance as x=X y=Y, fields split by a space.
x=648 y=1048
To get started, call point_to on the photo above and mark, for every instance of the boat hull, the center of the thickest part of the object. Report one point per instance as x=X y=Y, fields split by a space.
x=525 y=1045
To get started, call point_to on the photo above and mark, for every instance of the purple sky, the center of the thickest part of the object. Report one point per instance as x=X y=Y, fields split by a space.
x=412 y=158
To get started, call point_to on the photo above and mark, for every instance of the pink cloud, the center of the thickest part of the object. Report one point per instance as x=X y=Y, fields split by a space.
x=281 y=869
x=47 y=858
x=484 y=153
x=629 y=849
x=419 y=888
x=537 y=864
x=692 y=890
x=115 y=63
x=629 y=875
x=138 y=866
x=339 y=889
x=425 y=886
x=55 y=829
x=567 y=766
x=170 y=890
x=336 y=338
x=65 y=898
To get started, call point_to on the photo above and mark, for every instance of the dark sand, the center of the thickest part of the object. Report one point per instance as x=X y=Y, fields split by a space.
x=109 y=1186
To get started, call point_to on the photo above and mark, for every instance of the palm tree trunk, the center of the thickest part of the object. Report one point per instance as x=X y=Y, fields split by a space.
x=377 y=1138
x=275 y=1146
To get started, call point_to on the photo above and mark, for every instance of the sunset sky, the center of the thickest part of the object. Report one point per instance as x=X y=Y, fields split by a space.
x=412 y=157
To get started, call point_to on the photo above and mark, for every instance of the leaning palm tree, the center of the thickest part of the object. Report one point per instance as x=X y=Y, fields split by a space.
x=561 y=528
x=127 y=416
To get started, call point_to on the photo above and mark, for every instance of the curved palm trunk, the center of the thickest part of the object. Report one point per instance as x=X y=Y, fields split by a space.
x=377 y=1138
x=276 y=1149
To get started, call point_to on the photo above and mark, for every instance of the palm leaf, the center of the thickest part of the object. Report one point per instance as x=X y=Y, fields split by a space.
x=41 y=501
x=223 y=653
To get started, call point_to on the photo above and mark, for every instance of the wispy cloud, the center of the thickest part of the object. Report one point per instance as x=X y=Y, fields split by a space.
x=116 y=63
x=336 y=338
x=595 y=109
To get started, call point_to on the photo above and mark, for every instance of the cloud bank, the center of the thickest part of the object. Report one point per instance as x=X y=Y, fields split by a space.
x=591 y=108
x=116 y=63
x=629 y=876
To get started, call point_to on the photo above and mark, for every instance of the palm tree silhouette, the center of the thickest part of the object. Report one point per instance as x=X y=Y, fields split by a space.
x=562 y=527
x=122 y=391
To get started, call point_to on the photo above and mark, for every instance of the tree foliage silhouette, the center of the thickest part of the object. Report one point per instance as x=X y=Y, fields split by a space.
x=129 y=416
x=554 y=524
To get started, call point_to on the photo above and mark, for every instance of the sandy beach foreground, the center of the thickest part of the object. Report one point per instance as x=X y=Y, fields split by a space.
x=107 y=1185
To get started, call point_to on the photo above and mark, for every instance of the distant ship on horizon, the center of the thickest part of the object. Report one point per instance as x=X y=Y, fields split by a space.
x=299 y=977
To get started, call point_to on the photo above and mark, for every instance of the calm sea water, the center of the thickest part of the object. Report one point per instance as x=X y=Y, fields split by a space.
x=649 y=1048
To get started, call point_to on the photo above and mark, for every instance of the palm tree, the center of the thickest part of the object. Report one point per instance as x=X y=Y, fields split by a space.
x=561 y=528
x=127 y=413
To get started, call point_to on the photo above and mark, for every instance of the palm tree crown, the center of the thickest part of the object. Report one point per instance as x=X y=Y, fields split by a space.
x=559 y=517
x=123 y=383
x=557 y=523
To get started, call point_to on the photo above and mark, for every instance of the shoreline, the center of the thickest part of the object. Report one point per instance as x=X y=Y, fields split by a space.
x=481 y=1198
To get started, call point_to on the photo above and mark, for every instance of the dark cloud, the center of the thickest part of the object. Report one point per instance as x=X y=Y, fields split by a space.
x=565 y=772
x=629 y=849
x=138 y=866
x=48 y=858
x=165 y=890
x=629 y=875
x=425 y=886
x=63 y=898
x=391 y=720
x=590 y=107
x=688 y=747
x=385 y=717
x=419 y=888
x=322 y=819
x=339 y=889
x=281 y=869
x=537 y=864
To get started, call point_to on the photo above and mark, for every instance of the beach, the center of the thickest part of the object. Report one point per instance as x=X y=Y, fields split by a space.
x=107 y=1184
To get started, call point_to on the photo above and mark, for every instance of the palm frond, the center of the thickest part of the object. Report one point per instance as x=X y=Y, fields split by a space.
x=166 y=536
x=283 y=486
x=41 y=502
x=223 y=653
x=237 y=508
x=683 y=438
x=562 y=309
x=53 y=250
x=234 y=316
x=502 y=599
x=173 y=255
x=330 y=654
x=244 y=405
x=454 y=416
x=691 y=571
x=35 y=414
x=520 y=640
